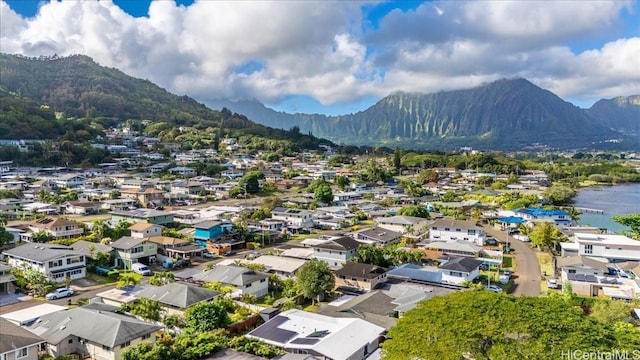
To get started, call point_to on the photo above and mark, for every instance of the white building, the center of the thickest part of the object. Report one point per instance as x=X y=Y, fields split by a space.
x=326 y=337
x=295 y=217
x=448 y=229
x=336 y=252
x=57 y=262
x=246 y=281
x=608 y=246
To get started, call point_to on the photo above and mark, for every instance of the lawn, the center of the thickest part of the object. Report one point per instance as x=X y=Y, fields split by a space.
x=98 y=279
x=546 y=266
x=508 y=262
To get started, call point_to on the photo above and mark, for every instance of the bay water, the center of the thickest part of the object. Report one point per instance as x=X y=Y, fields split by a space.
x=613 y=200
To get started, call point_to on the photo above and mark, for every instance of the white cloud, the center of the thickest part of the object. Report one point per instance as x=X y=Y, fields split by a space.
x=328 y=51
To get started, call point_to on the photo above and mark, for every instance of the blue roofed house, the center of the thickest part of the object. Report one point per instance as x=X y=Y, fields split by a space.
x=532 y=215
x=215 y=230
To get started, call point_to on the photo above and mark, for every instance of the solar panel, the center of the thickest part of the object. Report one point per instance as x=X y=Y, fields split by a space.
x=305 y=341
x=571 y=276
x=270 y=330
x=590 y=278
x=580 y=277
x=604 y=281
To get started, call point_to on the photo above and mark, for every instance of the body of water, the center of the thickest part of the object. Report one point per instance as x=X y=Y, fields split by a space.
x=614 y=200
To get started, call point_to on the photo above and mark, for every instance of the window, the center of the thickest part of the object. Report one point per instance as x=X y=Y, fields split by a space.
x=125 y=345
x=70 y=341
x=263 y=280
x=434 y=228
x=588 y=249
x=458 y=230
x=24 y=352
x=105 y=347
x=137 y=249
x=146 y=336
x=471 y=232
x=446 y=229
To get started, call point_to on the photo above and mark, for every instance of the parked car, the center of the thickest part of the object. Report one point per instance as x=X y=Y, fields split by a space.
x=182 y=262
x=484 y=267
x=141 y=269
x=209 y=255
x=491 y=241
x=507 y=273
x=253 y=255
x=495 y=288
x=229 y=253
x=503 y=279
x=59 y=293
x=553 y=284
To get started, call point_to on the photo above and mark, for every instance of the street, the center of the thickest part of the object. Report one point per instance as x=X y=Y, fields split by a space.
x=528 y=274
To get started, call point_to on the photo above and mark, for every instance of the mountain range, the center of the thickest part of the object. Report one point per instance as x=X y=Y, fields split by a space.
x=505 y=114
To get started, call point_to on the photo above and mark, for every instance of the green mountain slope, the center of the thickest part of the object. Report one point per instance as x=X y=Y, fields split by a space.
x=93 y=95
x=620 y=113
x=506 y=114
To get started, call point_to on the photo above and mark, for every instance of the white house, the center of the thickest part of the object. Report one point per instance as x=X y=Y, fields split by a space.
x=57 y=262
x=457 y=271
x=409 y=226
x=608 y=246
x=294 y=217
x=182 y=170
x=144 y=230
x=325 y=337
x=70 y=181
x=559 y=217
x=336 y=251
x=448 y=229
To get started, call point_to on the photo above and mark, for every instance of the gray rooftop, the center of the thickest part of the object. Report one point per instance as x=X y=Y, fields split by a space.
x=40 y=252
x=83 y=247
x=104 y=328
x=13 y=337
x=234 y=275
x=463 y=264
x=178 y=294
x=127 y=242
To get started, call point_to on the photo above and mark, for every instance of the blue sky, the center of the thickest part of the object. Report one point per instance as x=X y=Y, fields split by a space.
x=343 y=56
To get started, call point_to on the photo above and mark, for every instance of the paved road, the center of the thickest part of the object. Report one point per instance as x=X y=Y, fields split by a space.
x=528 y=274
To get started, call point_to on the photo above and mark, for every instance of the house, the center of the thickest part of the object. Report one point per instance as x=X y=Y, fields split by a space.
x=176 y=247
x=57 y=228
x=90 y=249
x=360 y=276
x=70 y=181
x=18 y=343
x=460 y=270
x=57 y=262
x=436 y=249
x=284 y=267
x=246 y=281
x=295 y=217
x=558 y=217
x=6 y=280
x=142 y=215
x=449 y=229
x=146 y=196
x=93 y=333
x=81 y=207
x=129 y=250
x=212 y=230
x=336 y=251
x=607 y=246
x=377 y=307
x=327 y=337
x=377 y=236
x=182 y=171
x=408 y=226
x=591 y=276
x=143 y=230
x=176 y=297
x=192 y=188
x=118 y=204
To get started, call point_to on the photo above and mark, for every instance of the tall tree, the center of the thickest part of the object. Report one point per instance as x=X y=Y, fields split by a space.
x=546 y=235
x=206 y=316
x=315 y=279
x=632 y=221
x=574 y=214
x=498 y=327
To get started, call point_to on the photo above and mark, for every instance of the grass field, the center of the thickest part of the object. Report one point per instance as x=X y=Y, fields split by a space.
x=546 y=266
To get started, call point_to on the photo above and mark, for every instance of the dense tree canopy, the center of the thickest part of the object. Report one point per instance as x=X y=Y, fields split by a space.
x=484 y=325
x=206 y=316
x=315 y=279
x=632 y=221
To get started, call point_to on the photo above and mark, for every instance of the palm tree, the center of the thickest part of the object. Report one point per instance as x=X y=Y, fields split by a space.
x=128 y=279
x=574 y=215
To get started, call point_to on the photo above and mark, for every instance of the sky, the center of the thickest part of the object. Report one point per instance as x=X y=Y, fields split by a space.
x=340 y=57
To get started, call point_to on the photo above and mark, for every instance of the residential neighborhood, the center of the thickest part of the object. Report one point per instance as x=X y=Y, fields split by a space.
x=140 y=252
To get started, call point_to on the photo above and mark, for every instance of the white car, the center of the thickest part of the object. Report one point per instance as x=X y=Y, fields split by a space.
x=209 y=255
x=495 y=288
x=553 y=284
x=59 y=293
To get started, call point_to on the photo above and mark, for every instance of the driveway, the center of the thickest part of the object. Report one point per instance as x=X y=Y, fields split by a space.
x=528 y=274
